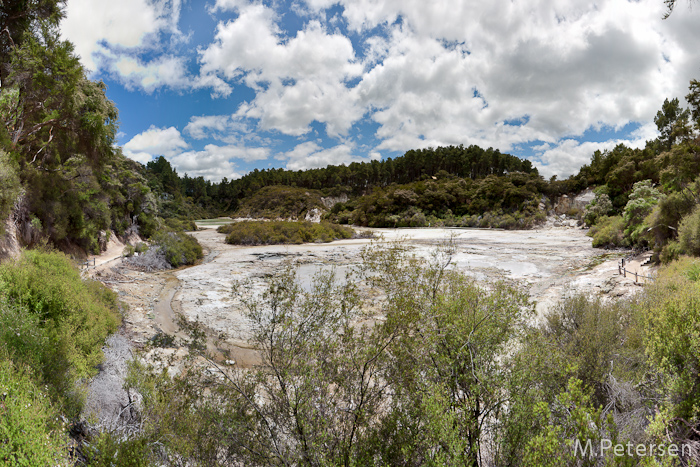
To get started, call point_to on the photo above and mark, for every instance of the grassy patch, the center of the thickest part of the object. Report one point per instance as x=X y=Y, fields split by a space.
x=213 y=222
x=280 y=232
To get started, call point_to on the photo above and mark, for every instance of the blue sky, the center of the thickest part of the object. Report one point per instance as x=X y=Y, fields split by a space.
x=221 y=87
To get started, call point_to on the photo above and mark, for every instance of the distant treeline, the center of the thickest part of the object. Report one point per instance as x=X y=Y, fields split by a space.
x=354 y=179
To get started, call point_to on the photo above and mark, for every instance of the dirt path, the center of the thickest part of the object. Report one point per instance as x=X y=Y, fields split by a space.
x=114 y=251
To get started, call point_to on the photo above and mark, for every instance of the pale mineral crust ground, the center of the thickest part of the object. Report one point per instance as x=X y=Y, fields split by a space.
x=551 y=263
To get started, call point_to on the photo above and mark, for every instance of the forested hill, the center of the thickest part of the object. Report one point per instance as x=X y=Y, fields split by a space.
x=354 y=179
x=471 y=162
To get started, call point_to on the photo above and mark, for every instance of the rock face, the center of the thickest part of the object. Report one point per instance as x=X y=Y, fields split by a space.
x=106 y=400
x=9 y=246
x=565 y=204
x=313 y=215
x=329 y=201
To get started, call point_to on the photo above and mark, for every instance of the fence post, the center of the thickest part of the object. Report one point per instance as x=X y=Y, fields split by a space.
x=635 y=277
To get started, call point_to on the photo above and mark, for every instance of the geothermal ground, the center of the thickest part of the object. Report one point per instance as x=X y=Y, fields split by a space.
x=550 y=263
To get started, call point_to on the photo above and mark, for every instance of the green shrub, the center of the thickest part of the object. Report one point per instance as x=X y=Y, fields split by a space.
x=128 y=251
x=689 y=233
x=608 y=232
x=599 y=207
x=9 y=187
x=140 y=248
x=180 y=225
x=641 y=202
x=178 y=247
x=672 y=305
x=280 y=232
x=62 y=321
x=29 y=432
x=670 y=252
x=108 y=450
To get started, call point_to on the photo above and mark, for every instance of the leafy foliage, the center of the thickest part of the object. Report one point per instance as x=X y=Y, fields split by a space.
x=178 y=247
x=356 y=179
x=508 y=202
x=419 y=388
x=599 y=207
x=169 y=249
x=29 y=432
x=56 y=323
x=672 y=345
x=653 y=188
x=9 y=187
x=452 y=373
x=642 y=199
x=608 y=232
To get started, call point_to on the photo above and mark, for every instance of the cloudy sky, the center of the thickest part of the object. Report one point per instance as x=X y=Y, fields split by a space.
x=221 y=87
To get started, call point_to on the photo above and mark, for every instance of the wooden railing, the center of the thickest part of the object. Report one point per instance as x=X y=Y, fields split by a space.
x=623 y=271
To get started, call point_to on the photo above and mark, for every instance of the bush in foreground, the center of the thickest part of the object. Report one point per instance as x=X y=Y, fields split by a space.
x=53 y=321
x=29 y=434
x=282 y=232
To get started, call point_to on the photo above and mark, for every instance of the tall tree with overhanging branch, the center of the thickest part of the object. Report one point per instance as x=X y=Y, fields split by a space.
x=20 y=19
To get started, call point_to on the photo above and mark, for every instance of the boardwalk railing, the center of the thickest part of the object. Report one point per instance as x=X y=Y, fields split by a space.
x=623 y=271
x=88 y=263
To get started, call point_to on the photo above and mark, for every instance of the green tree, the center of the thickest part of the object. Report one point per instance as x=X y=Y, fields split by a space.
x=21 y=19
x=599 y=207
x=9 y=187
x=335 y=387
x=641 y=202
x=61 y=131
x=693 y=99
x=673 y=122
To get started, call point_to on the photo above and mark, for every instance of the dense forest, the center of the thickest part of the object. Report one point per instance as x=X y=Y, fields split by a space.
x=356 y=179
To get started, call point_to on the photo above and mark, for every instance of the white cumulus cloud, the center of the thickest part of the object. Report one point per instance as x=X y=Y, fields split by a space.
x=155 y=142
x=310 y=155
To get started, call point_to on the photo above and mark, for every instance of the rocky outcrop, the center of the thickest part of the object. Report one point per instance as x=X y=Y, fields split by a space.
x=313 y=215
x=9 y=245
x=330 y=201
x=569 y=205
